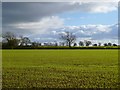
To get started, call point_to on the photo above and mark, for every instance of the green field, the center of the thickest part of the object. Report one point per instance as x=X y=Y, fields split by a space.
x=60 y=68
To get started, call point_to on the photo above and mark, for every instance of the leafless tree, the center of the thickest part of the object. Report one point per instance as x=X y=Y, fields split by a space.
x=10 y=39
x=81 y=43
x=87 y=43
x=8 y=36
x=68 y=37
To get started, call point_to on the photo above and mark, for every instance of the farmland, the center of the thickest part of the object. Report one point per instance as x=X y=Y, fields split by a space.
x=60 y=68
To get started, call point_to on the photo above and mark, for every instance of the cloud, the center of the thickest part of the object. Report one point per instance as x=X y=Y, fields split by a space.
x=83 y=32
x=15 y=12
x=46 y=23
x=96 y=7
x=27 y=12
x=94 y=31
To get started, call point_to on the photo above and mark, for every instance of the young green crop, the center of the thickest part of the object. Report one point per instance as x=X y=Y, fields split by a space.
x=60 y=68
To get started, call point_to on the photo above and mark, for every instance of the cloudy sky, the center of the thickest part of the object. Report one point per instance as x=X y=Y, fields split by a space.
x=44 y=21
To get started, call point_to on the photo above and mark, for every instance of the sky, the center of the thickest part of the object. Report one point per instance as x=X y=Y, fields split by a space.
x=45 y=21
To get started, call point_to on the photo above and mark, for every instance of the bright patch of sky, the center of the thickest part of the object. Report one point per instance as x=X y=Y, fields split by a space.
x=81 y=18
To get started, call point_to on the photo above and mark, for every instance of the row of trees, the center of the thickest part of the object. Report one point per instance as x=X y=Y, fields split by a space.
x=10 y=40
x=70 y=39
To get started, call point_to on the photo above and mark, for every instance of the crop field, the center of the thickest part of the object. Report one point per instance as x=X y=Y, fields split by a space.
x=60 y=68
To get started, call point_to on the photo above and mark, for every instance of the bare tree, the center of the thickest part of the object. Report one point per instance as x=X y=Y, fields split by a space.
x=10 y=39
x=8 y=36
x=81 y=43
x=68 y=37
x=87 y=43
x=24 y=41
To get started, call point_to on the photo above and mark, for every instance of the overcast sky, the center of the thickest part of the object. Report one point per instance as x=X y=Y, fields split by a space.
x=44 y=21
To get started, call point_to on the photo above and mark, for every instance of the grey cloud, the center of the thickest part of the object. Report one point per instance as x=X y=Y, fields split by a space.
x=13 y=12
x=29 y=12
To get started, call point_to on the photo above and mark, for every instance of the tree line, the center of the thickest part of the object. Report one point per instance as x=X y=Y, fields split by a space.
x=10 y=40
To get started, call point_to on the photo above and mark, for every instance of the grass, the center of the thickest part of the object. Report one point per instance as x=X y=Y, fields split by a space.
x=60 y=68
